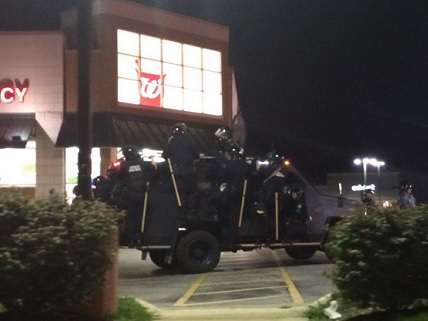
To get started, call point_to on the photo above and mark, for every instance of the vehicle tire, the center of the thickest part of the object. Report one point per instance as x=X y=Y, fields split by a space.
x=198 y=252
x=158 y=258
x=301 y=252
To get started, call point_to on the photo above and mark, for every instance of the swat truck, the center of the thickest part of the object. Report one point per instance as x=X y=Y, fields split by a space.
x=237 y=204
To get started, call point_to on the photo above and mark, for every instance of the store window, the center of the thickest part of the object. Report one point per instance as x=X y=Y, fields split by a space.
x=147 y=154
x=71 y=170
x=161 y=73
x=18 y=166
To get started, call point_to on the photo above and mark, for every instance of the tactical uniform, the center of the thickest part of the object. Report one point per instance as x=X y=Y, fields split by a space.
x=132 y=178
x=182 y=153
x=231 y=173
x=102 y=188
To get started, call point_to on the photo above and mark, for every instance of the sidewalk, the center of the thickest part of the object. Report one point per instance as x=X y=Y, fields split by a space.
x=233 y=314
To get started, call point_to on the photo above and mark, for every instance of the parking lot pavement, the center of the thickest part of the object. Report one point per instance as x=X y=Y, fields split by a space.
x=256 y=279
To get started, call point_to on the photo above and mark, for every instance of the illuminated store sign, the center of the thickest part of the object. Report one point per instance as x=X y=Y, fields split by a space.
x=160 y=73
x=150 y=86
x=13 y=90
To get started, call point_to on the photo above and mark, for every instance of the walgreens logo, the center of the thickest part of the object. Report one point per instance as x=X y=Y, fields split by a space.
x=13 y=90
x=150 y=87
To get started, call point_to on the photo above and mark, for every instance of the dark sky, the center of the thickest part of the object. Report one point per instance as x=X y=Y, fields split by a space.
x=333 y=79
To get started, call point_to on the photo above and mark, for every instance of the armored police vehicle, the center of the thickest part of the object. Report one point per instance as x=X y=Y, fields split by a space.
x=236 y=204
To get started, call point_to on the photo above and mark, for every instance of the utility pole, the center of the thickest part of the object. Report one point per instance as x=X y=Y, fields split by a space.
x=84 y=116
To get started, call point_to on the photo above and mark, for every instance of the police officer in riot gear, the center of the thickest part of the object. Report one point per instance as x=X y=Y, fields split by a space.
x=132 y=176
x=102 y=187
x=226 y=146
x=231 y=173
x=296 y=214
x=182 y=153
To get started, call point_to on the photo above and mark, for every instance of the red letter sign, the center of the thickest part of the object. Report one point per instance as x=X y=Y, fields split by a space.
x=11 y=91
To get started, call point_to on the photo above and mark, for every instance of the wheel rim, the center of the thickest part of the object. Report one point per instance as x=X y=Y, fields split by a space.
x=201 y=252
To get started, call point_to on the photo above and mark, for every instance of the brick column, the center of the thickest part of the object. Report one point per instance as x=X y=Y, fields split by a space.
x=50 y=166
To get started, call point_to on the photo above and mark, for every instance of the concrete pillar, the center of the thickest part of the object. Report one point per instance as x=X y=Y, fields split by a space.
x=50 y=166
x=108 y=156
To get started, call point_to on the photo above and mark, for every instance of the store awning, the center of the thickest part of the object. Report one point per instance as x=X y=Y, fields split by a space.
x=15 y=132
x=110 y=130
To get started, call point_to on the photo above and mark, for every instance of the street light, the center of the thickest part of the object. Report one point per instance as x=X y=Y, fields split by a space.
x=364 y=161
x=370 y=161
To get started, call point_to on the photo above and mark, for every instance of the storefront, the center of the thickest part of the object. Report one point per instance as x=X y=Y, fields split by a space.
x=149 y=69
x=31 y=108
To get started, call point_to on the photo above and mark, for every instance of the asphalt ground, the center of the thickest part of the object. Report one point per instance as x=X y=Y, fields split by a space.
x=256 y=279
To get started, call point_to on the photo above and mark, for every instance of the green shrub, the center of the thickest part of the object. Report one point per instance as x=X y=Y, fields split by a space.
x=382 y=257
x=53 y=255
x=130 y=310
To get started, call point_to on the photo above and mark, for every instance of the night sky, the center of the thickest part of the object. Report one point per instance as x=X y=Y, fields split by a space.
x=332 y=79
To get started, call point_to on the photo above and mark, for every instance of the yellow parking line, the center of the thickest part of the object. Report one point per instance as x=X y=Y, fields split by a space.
x=233 y=300
x=292 y=289
x=186 y=296
x=240 y=290
x=294 y=293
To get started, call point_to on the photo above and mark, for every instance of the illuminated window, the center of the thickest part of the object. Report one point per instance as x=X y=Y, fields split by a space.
x=192 y=56
x=192 y=78
x=147 y=154
x=211 y=60
x=173 y=98
x=71 y=170
x=212 y=82
x=155 y=72
x=19 y=166
x=171 y=51
x=150 y=47
x=128 y=91
x=126 y=66
x=212 y=104
x=173 y=75
x=127 y=42
x=192 y=101
x=151 y=66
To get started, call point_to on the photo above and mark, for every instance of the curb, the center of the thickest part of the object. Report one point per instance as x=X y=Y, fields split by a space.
x=322 y=300
x=234 y=314
x=149 y=307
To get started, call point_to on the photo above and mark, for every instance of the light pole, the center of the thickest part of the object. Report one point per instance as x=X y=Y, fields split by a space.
x=379 y=164
x=358 y=162
x=374 y=162
x=84 y=115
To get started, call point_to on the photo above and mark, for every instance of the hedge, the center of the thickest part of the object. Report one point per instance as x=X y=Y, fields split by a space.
x=382 y=257
x=53 y=255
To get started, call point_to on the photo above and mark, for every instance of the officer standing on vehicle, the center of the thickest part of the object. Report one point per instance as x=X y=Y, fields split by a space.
x=231 y=173
x=296 y=215
x=133 y=175
x=182 y=153
x=226 y=146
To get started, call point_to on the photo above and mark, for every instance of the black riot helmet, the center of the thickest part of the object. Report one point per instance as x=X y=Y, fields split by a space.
x=178 y=129
x=223 y=134
x=99 y=180
x=274 y=158
x=130 y=153
x=236 y=151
